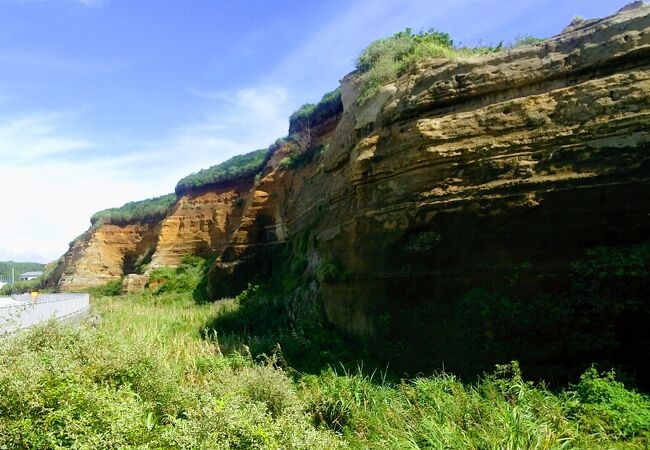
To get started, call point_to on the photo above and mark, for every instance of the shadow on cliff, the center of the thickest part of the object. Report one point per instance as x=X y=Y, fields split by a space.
x=292 y=326
x=555 y=322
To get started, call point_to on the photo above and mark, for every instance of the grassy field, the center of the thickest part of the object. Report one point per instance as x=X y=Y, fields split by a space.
x=150 y=375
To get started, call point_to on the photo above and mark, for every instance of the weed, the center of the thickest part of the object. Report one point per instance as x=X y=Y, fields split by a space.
x=330 y=270
x=146 y=379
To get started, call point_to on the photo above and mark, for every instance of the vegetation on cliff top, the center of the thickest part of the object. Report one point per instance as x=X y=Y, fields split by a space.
x=237 y=167
x=149 y=210
x=309 y=114
x=384 y=60
x=146 y=376
x=381 y=62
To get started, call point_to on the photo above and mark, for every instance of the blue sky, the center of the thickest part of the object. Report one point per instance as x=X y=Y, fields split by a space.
x=108 y=101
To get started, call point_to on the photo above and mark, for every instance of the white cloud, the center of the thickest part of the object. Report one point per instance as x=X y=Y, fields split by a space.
x=54 y=179
x=46 y=205
x=239 y=122
x=26 y=138
x=49 y=191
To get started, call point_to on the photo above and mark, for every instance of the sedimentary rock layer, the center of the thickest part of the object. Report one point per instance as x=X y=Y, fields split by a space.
x=104 y=253
x=462 y=212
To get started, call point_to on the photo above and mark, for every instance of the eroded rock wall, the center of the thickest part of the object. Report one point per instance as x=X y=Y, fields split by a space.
x=473 y=211
x=461 y=204
x=201 y=223
x=104 y=253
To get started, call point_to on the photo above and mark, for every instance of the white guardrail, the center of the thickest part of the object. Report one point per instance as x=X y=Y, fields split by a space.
x=22 y=311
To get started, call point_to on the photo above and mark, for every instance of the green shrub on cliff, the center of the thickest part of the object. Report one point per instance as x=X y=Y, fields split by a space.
x=384 y=60
x=329 y=270
x=301 y=157
x=150 y=210
x=526 y=40
x=309 y=114
x=237 y=167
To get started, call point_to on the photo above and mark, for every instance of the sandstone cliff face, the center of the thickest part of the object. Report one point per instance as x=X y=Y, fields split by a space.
x=487 y=137
x=466 y=212
x=201 y=224
x=104 y=253
x=474 y=191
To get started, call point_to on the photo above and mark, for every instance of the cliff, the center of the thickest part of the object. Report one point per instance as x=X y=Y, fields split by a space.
x=474 y=210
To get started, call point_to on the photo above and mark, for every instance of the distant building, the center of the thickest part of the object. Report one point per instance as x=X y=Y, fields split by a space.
x=29 y=276
x=2 y=283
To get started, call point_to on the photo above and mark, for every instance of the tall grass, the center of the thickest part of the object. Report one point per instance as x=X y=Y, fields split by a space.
x=440 y=411
x=144 y=376
x=145 y=379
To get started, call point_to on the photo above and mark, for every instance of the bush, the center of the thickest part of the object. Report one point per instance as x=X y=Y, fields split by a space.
x=343 y=402
x=150 y=210
x=238 y=167
x=526 y=40
x=384 y=60
x=144 y=378
x=21 y=287
x=300 y=158
x=302 y=117
x=606 y=404
x=264 y=384
x=309 y=114
x=258 y=321
x=110 y=289
x=186 y=278
x=499 y=411
x=330 y=270
x=72 y=387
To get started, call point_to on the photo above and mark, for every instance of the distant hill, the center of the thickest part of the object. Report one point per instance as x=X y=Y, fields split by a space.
x=20 y=267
